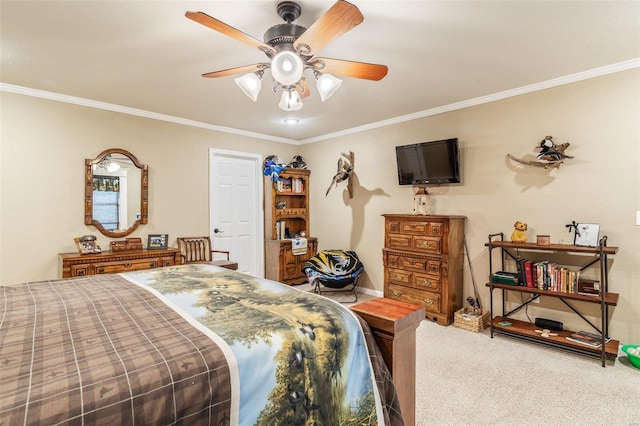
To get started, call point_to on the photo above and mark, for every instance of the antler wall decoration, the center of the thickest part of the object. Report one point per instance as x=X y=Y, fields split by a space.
x=344 y=172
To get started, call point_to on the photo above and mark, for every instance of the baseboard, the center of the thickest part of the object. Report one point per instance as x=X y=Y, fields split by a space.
x=370 y=292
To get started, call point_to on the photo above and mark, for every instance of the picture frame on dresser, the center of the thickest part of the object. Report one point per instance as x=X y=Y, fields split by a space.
x=157 y=241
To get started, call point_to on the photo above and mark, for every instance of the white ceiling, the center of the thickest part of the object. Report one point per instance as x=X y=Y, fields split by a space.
x=146 y=55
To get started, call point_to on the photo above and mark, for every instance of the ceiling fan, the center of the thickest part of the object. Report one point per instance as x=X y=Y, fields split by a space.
x=291 y=49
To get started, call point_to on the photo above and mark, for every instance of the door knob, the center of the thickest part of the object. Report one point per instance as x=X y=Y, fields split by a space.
x=217 y=231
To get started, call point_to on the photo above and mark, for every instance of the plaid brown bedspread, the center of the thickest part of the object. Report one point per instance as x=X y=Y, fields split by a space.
x=99 y=350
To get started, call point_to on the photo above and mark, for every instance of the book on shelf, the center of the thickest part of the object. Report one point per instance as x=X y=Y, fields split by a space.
x=589 y=339
x=520 y=270
x=297 y=185
x=281 y=230
x=550 y=276
x=528 y=273
x=503 y=277
x=589 y=287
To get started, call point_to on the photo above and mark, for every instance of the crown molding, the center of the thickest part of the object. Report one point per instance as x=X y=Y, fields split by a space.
x=573 y=78
x=585 y=75
x=137 y=112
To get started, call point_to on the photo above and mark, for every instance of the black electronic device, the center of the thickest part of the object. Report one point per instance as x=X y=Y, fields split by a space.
x=549 y=324
x=429 y=163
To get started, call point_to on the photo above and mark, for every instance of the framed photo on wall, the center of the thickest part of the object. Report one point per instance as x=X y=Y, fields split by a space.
x=587 y=234
x=157 y=241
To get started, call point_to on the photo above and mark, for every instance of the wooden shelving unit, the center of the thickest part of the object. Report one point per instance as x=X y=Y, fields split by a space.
x=594 y=256
x=287 y=216
x=528 y=331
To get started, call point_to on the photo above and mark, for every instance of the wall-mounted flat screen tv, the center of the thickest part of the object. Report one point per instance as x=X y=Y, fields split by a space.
x=429 y=163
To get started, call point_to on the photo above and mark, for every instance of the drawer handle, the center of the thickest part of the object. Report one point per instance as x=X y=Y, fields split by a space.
x=434 y=269
x=413 y=226
x=428 y=302
x=426 y=283
x=152 y=264
x=100 y=271
x=396 y=293
x=397 y=277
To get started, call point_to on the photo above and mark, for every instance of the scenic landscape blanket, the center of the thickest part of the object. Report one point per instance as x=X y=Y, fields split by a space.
x=301 y=359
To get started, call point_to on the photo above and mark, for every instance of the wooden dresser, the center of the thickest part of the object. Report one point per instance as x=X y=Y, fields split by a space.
x=423 y=262
x=108 y=262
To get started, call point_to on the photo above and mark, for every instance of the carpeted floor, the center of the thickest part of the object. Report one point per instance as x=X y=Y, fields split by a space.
x=467 y=378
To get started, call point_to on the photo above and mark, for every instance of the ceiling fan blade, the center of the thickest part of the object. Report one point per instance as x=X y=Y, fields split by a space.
x=228 y=30
x=350 y=68
x=303 y=89
x=342 y=17
x=237 y=70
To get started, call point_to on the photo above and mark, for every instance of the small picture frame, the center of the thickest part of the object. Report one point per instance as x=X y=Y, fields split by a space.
x=157 y=241
x=587 y=234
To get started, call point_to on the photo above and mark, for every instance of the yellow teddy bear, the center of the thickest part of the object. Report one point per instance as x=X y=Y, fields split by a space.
x=519 y=235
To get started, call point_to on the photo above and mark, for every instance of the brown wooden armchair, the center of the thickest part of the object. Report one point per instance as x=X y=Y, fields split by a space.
x=198 y=250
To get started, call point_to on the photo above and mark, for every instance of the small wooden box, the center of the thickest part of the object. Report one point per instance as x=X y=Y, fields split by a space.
x=129 y=244
x=543 y=240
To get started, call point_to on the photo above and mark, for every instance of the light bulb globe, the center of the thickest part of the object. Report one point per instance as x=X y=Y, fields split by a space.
x=287 y=68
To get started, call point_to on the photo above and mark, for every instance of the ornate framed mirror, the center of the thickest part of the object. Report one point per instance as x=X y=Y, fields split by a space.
x=116 y=194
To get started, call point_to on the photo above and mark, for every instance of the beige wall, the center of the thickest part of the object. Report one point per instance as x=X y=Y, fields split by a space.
x=599 y=117
x=44 y=144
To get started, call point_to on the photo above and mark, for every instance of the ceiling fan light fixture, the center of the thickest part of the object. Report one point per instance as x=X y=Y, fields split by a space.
x=113 y=167
x=327 y=85
x=107 y=164
x=287 y=68
x=290 y=100
x=250 y=84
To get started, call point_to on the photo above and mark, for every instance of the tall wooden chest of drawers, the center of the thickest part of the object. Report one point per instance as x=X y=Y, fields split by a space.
x=423 y=262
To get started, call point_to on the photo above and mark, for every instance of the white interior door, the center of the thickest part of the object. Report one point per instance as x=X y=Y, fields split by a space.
x=235 y=208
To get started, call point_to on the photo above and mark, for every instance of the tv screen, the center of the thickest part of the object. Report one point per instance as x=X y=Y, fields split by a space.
x=428 y=163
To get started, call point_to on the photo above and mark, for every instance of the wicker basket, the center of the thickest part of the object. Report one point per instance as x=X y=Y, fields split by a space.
x=466 y=319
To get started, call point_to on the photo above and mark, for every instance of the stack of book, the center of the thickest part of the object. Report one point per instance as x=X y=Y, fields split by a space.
x=549 y=276
x=281 y=230
x=283 y=185
x=590 y=339
x=502 y=277
x=290 y=185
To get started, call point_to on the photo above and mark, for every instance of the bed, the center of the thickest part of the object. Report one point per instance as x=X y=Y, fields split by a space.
x=192 y=344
